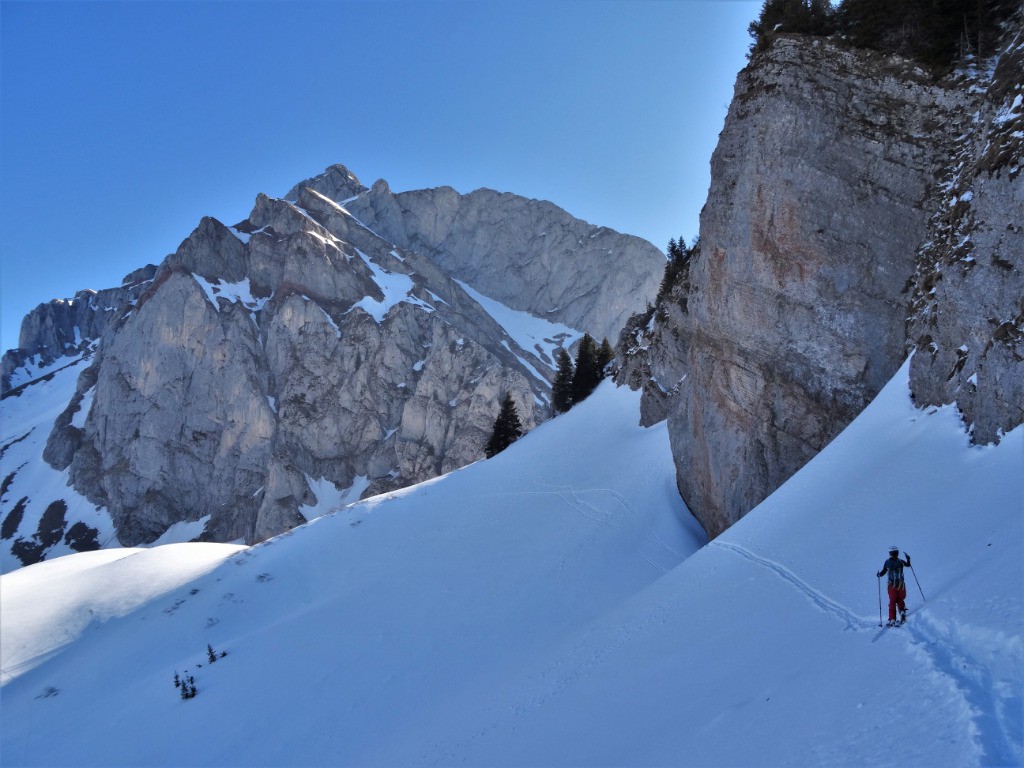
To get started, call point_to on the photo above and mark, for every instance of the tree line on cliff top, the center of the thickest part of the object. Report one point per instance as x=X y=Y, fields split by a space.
x=936 y=33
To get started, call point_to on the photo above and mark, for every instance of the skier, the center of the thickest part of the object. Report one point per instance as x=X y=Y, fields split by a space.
x=897 y=587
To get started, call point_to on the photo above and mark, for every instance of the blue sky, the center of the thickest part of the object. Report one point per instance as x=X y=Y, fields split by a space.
x=122 y=124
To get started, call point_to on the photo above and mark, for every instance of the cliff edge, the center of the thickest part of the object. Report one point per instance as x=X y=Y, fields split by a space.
x=818 y=236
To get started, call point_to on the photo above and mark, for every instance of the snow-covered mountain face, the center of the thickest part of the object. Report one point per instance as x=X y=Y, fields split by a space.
x=555 y=606
x=266 y=373
x=857 y=210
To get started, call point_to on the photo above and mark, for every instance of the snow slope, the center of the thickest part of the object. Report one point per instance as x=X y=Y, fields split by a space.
x=29 y=483
x=554 y=606
x=29 y=486
x=32 y=528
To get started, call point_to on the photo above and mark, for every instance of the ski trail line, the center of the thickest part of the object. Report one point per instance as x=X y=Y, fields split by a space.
x=649 y=535
x=572 y=498
x=992 y=696
x=993 y=704
x=819 y=600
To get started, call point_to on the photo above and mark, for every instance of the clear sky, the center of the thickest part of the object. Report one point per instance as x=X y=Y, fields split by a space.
x=123 y=123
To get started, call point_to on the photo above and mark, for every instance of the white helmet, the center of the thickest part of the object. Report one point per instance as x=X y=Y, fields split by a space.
x=894 y=549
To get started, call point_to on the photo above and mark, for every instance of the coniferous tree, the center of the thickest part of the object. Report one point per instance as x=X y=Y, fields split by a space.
x=588 y=373
x=187 y=686
x=809 y=17
x=507 y=428
x=605 y=355
x=667 y=278
x=677 y=267
x=934 y=32
x=561 y=390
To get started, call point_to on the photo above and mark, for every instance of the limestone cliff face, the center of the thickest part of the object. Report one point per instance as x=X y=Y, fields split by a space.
x=300 y=353
x=794 y=309
x=515 y=247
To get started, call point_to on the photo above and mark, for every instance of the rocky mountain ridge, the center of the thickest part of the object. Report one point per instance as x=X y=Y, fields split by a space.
x=66 y=327
x=828 y=252
x=300 y=357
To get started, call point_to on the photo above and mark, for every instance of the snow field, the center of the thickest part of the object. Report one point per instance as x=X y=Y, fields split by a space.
x=365 y=623
x=555 y=606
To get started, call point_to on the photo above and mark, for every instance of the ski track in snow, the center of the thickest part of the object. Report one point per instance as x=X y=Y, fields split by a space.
x=993 y=702
x=822 y=602
x=572 y=498
x=993 y=705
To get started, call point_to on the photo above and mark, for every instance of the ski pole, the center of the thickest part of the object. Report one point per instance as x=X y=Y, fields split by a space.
x=879 y=579
x=918 y=584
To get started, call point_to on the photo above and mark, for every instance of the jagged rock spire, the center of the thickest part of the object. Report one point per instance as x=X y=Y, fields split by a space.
x=337 y=182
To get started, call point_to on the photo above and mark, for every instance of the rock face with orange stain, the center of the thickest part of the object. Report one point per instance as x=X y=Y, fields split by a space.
x=791 y=315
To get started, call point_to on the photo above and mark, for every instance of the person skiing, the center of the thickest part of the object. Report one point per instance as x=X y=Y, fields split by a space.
x=897 y=586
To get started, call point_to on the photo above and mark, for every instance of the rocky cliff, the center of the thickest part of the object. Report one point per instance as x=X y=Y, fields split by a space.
x=302 y=357
x=791 y=314
x=966 y=323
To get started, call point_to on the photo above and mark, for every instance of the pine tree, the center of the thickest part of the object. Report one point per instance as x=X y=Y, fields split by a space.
x=507 y=428
x=809 y=17
x=561 y=390
x=677 y=266
x=187 y=685
x=934 y=32
x=588 y=373
x=605 y=355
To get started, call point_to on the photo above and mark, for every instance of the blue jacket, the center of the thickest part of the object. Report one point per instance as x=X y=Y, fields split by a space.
x=894 y=567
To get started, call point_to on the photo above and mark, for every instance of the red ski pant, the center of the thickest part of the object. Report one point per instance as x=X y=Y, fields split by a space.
x=897 y=598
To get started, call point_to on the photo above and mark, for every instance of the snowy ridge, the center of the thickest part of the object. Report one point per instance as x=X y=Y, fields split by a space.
x=554 y=606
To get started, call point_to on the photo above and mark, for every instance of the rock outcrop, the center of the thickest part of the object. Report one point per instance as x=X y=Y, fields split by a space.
x=793 y=311
x=273 y=367
x=967 y=319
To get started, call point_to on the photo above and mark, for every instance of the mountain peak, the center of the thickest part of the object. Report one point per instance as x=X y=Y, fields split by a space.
x=336 y=182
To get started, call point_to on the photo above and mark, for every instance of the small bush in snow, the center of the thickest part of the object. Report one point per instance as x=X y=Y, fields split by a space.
x=186 y=686
x=212 y=655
